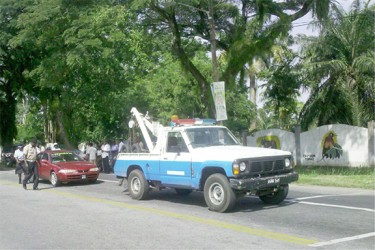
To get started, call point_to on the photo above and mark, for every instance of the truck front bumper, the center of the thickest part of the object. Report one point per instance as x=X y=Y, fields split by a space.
x=257 y=183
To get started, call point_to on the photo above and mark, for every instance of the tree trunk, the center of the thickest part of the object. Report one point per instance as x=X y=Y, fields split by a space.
x=253 y=97
x=62 y=132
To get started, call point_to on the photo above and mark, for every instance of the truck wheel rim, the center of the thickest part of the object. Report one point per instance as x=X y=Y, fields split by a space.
x=136 y=185
x=216 y=193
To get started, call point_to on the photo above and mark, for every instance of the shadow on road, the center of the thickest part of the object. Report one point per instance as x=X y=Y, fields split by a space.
x=245 y=204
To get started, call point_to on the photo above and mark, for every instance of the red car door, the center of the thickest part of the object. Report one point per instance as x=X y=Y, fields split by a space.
x=44 y=166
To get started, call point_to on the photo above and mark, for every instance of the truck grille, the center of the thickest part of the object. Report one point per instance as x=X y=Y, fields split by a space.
x=261 y=167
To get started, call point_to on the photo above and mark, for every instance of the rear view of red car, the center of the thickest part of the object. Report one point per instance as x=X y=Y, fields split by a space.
x=63 y=166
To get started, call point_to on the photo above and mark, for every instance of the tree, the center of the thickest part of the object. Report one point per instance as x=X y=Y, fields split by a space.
x=340 y=64
x=79 y=54
x=238 y=32
x=283 y=81
x=12 y=64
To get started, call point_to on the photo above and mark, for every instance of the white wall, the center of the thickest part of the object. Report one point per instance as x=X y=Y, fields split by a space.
x=353 y=140
x=351 y=143
x=286 y=138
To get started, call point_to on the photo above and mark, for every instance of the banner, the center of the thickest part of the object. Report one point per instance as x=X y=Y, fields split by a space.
x=218 y=93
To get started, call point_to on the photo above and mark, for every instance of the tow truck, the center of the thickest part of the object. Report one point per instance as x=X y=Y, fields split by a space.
x=198 y=155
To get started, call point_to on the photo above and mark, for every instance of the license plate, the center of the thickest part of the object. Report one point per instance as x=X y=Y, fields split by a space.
x=273 y=180
x=83 y=176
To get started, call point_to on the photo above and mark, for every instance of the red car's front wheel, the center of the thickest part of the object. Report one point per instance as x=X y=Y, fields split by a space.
x=54 y=180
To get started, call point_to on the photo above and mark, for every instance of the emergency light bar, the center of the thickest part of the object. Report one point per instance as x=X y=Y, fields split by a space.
x=192 y=122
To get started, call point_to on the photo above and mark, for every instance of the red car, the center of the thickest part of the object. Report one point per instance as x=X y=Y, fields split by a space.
x=63 y=166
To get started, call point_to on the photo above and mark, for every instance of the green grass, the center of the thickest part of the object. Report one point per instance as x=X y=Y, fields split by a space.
x=363 y=177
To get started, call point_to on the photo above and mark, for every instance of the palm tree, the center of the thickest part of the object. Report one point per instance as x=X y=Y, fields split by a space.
x=340 y=64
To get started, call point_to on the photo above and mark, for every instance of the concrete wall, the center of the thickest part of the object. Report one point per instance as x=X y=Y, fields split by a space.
x=329 y=145
x=273 y=138
x=335 y=145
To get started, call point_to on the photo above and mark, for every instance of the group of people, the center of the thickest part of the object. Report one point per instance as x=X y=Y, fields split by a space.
x=105 y=155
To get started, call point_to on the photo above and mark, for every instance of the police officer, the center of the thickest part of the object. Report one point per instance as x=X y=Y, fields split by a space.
x=30 y=152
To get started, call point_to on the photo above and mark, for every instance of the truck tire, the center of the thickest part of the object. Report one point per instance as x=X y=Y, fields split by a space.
x=276 y=197
x=138 y=185
x=218 y=194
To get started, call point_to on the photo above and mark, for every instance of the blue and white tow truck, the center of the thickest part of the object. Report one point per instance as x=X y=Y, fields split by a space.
x=208 y=158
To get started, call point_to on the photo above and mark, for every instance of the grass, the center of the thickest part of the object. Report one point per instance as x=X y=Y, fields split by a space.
x=361 y=177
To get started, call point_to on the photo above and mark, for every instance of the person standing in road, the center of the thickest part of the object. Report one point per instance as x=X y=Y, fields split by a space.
x=30 y=153
x=106 y=148
x=91 y=151
x=20 y=167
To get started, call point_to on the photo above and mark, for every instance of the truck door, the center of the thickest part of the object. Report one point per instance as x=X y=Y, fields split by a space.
x=175 y=162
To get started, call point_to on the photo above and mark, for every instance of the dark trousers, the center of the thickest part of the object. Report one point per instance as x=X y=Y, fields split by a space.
x=32 y=169
x=20 y=169
x=106 y=165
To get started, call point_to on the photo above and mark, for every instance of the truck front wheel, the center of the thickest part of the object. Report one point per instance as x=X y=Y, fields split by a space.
x=276 y=197
x=138 y=185
x=218 y=194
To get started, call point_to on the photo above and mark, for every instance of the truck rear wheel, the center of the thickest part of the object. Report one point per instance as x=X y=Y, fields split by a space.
x=276 y=197
x=138 y=185
x=218 y=194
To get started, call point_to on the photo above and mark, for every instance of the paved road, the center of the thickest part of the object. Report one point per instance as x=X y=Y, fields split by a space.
x=103 y=216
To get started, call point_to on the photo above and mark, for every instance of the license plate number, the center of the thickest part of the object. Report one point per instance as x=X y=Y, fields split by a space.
x=83 y=176
x=273 y=180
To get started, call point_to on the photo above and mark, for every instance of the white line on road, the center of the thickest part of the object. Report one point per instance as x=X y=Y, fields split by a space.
x=107 y=181
x=331 y=242
x=337 y=206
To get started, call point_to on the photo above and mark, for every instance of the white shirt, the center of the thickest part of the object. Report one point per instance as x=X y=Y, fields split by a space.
x=106 y=148
x=18 y=154
x=92 y=153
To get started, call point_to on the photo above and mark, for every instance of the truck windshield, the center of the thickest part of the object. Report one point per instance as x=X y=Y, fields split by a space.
x=210 y=136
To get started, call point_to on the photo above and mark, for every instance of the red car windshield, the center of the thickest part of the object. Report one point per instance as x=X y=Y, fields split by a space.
x=66 y=156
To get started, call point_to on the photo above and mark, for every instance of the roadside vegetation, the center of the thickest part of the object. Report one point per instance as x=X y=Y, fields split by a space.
x=361 y=177
x=78 y=81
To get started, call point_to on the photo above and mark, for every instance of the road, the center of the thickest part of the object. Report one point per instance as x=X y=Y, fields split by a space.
x=103 y=216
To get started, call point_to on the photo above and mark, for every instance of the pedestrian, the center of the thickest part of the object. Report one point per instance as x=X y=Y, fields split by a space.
x=106 y=148
x=20 y=163
x=91 y=151
x=99 y=161
x=113 y=155
x=30 y=153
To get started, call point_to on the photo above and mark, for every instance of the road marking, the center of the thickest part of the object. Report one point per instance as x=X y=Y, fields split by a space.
x=337 y=206
x=316 y=196
x=331 y=242
x=108 y=181
x=210 y=222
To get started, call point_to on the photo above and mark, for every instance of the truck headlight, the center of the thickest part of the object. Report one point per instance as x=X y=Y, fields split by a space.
x=242 y=166
x=288 y=163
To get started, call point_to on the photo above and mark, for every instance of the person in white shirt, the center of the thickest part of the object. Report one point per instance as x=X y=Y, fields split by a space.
x=91 y=151
x=106 y=148
x=20 y=166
